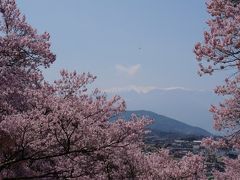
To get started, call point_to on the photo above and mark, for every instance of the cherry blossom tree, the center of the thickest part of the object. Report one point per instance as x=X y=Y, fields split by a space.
x=63 y=130
x=22 y=53
x=221 y=51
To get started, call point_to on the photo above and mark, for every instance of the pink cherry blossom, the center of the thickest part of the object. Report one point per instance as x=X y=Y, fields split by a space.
x=63 y=130
x=221 y=51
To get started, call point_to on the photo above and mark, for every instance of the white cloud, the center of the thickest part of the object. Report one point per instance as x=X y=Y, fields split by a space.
x=131 y=70
x=145 y=89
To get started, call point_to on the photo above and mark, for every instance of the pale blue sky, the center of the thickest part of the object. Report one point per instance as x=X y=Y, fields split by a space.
x=125 y=42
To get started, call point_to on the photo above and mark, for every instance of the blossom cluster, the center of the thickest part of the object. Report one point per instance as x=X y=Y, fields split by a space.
x=221 y=51
x=62 y=130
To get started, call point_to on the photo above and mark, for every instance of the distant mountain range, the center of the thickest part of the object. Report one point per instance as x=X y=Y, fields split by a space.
x=166 y=127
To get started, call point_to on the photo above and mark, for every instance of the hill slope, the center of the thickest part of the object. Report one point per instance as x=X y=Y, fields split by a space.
x=165 y=126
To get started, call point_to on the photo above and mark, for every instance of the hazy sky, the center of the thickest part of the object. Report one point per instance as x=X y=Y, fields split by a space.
x=138 y=43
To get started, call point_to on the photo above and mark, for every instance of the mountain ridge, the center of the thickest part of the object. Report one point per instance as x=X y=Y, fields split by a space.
x=166 y=126
x=191 y=107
